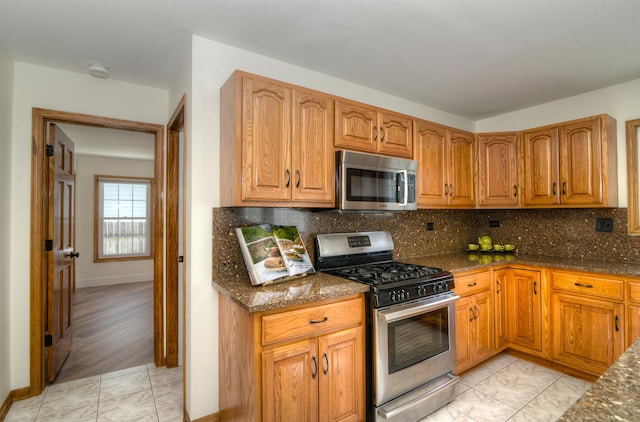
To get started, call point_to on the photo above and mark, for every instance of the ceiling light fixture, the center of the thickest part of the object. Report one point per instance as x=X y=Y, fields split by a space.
x=98 y=70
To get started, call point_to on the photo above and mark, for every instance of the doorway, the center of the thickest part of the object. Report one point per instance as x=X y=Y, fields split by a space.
x=41 y=118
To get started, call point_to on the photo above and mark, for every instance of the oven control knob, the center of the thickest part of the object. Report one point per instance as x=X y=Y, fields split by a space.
x=422 y=291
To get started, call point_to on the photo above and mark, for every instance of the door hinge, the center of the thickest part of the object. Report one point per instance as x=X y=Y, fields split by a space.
x=49 y=150
x=48 y=340
x=48 y=245
x=181 y=258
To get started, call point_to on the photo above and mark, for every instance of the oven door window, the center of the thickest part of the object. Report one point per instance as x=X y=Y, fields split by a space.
x=417 y=338
x=374 y=186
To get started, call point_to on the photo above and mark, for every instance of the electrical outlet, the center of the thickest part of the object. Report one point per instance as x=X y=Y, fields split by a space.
x=430 y=226
x=604 y=225
x=494 y=223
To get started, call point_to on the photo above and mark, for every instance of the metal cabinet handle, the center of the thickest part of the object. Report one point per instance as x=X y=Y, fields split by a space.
x=325 y=362
x=375 y=133
x=499 y=287
x=297 y=178
x=473 y=316
x=515 y=191
x=446 y=189
x=588 y=286
x=564 y=188
x=554 y=188
x=535 y=287
x=314 y=367
x=477 y=312
x=383 y=134
x=288 y=173
x=451 y=190
x=318 y=321
x=617 y=327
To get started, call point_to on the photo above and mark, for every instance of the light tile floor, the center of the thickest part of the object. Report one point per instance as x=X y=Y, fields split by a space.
x=143 y=393
x=502 y=389
x=506 y=388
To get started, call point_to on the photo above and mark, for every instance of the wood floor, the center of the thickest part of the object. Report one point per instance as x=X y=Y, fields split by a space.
x=112 y=330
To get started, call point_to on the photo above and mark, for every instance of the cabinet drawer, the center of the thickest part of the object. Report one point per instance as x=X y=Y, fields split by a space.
x=634 y=292
x=472 y=283
x=308 y=321
x=591 y=286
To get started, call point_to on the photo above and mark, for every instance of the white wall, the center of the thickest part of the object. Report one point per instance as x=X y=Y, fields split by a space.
x=6 y=99
x=88 y=272
x=37 y=86
x=622 y=102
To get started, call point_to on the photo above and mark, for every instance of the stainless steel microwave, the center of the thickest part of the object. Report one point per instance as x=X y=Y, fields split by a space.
x=369 y=182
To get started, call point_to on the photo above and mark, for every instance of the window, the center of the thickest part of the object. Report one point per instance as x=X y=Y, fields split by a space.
x=123 y=218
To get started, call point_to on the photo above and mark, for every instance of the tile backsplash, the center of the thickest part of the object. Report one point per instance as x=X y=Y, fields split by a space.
x=551 y=232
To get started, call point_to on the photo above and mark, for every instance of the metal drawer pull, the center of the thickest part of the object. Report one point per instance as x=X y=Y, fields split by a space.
x=325 y=361
x=535 y=287
x=314 y=367
x=617 y=327
x=588 y=286
x=318 y=321
x=471 y=284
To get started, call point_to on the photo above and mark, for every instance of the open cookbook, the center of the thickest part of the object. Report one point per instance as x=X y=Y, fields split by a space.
x=273 y=253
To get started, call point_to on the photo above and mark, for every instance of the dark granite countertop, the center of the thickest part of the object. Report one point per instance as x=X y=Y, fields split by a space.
x=319 y=286
x=615 y=396
x=312 y=288
x=462 y=262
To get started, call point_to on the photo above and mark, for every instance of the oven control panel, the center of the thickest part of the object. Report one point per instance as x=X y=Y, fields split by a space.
x=392 y=296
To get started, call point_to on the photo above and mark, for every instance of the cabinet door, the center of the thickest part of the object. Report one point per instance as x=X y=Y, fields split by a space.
x=581 y=163
x=586 y=334
x=483 y=326
x=501 y=309
x=498 y=170
x=541 y=167
x=290 y=382
x=525 y=309
x=461 y=169
x=431 y=152
x=633 y=322
x=312 y=161
x=342 y=381
x=464 y=317
x=395 y=134
x=356 y=126
x=266 y=141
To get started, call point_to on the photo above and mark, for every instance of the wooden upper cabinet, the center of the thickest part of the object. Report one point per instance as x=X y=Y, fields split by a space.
x=498 y=164
x=462 y=164
x=312 y=158
x=445 y=166
x=266 y=141
x=541 y=167
x=573 y=164
x=276 y=144
x=432 y=152
x=363 y=128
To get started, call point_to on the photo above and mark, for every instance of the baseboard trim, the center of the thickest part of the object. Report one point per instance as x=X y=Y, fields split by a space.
x=110 y=281
x=214 y=417
x=20 y=394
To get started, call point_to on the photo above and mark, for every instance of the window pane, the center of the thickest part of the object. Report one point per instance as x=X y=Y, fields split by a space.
x=125 y=218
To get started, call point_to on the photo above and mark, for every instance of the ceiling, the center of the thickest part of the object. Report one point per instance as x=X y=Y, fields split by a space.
x=114 y=143
x=472 y=58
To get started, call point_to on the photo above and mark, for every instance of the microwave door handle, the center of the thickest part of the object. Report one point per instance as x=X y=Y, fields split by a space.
x=405 y=199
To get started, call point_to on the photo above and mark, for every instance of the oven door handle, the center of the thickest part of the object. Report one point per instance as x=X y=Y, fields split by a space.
x=413 y=309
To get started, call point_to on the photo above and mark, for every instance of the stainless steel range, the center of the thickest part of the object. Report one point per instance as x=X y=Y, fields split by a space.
x=411 y=350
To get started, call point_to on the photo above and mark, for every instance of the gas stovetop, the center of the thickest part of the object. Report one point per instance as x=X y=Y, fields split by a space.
x=387 y=272
x=367 y=257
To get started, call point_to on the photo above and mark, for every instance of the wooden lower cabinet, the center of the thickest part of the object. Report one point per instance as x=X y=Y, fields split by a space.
x=474 y=320
x=293 y=365
x=633 y=312
x=501 y=311
x=525 y=310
